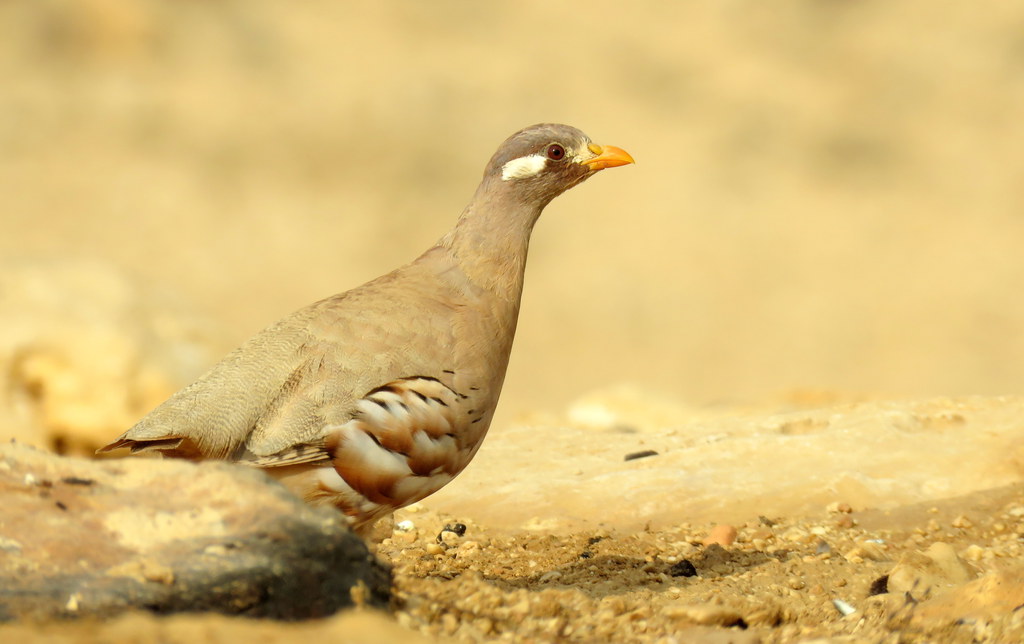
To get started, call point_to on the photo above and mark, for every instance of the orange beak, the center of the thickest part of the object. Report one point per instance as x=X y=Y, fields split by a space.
x=608 y=156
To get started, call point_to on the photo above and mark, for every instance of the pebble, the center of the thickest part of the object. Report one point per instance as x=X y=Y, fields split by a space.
x=434 y=549
x=469 y=546
x=974 y=552
x=550 y=575
x=838 y=507
x=879 y=586
x=926 y=574
x=723 y=535
x=683 y=569
x=448 y=538
x=962 y=522
x=843 y=607
x=704 y=614
x=845 y=521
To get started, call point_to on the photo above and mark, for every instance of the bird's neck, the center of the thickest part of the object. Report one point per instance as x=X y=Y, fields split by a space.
x=489 y=245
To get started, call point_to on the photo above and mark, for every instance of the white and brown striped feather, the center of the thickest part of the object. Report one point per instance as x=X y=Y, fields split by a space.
x=406 y=440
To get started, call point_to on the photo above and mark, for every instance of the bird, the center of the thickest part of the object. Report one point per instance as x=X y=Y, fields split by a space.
x=374 y=398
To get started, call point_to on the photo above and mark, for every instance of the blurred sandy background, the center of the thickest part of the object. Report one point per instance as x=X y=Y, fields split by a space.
x=828 y=194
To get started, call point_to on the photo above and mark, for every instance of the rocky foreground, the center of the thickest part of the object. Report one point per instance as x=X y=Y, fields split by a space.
x=628 y=519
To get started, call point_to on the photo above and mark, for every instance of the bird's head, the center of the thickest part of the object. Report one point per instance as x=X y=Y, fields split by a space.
x=542 y=161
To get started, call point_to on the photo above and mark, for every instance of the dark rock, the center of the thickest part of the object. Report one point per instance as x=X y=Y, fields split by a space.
x=682 y=568
x=458 y=529
x=632 y=456
x=81 y=537
x=879 y=586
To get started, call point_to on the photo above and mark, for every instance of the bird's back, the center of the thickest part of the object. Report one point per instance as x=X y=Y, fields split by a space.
x=289 y=382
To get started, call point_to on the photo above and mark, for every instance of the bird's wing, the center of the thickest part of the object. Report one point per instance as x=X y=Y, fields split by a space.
x=379 y=334
x=406 y=440
x=213 y=417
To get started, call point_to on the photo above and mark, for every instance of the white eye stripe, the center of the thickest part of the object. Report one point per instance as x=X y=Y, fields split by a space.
x=523 y=167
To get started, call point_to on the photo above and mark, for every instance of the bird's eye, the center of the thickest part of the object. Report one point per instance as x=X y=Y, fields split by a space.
x=556 y=152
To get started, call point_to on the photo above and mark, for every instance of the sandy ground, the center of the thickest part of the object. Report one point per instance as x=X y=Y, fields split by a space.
x=860 y=521
x=779 y=514
x=778 y=583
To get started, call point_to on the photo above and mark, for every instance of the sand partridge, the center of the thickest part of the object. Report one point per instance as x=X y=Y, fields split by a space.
x=372 y=399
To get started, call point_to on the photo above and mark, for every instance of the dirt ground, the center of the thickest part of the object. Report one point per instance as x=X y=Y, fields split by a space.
x=776 y=583
x=737 y=525
x=670 y=524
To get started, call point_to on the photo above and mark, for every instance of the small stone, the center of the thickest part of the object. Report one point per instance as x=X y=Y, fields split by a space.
x=434 y=549
x=796 y=583
x=143 y=570
x=838 y=507
x=974 y=552
x=930 y=573
x=632 y=456
x=704 y=614
x=723 y=535
x=449 y=623
x=484 y=625
x=448 y=538
x=879 y=586
x=550 y=575
x=962 y=522
x=457 y=529
x=683 y=568
x=871 y=550
x=405 y=526
x=843 y=607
